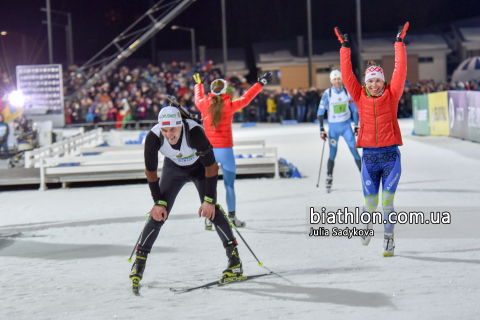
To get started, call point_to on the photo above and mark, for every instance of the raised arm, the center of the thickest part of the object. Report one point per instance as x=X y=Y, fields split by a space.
x=400 y=71
x=348 y=78
x=201 y=102
x=247 y=97
x=245 y=100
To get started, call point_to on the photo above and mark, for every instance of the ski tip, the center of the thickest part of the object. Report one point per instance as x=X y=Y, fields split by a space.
x=260 y=264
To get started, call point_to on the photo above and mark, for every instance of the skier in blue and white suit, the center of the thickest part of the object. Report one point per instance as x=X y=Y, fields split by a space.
x=340 y=108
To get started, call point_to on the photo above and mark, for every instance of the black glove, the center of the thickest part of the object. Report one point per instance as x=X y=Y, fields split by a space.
x=343 y=38
x=267 y=77
x=355 y=130
x=401 y=33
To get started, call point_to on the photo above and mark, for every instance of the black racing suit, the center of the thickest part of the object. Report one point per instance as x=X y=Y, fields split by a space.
x=174 y=177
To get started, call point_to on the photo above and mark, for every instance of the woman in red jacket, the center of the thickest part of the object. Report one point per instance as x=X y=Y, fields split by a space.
x=217 y=113
x=379 y=134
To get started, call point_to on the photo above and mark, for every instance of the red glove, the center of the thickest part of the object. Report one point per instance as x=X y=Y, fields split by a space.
x=323 y=134
x=343 y=38
x=402 y=33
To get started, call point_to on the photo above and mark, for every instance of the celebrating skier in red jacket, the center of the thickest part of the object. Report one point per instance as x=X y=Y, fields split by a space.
x=217 y=113
x=379 y=134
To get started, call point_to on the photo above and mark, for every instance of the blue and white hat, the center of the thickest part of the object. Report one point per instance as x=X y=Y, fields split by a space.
x=169 y=117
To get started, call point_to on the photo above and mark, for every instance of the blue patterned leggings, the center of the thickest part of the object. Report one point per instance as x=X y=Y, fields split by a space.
x=381 y=164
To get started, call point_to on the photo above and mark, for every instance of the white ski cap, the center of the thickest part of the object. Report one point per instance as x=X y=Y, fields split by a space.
x=169 y=117
x=214 y=84
x=335 y=74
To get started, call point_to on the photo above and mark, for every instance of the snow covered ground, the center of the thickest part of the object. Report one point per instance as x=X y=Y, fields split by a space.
x=70 y=260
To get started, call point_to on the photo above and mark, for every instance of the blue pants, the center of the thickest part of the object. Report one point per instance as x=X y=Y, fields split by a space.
x=381 y=164
x=226 y=158
x=4 y=145
x=337 y=129
x=301 y=110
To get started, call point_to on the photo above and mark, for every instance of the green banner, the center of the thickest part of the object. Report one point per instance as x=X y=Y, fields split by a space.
x=421 y=119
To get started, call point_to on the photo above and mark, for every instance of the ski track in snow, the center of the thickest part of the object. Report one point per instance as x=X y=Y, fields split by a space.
x=70 y=260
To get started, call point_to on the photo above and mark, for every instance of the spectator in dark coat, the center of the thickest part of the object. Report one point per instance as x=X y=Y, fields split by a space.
x=286 y=99
x=4 y=137
x=313 y=100
x=300 y=103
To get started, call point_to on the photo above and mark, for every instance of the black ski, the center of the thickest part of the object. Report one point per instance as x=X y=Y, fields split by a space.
x=219 y=282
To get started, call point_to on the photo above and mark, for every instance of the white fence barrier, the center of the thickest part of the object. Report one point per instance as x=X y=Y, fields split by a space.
x=118 y=159
x=64 y=148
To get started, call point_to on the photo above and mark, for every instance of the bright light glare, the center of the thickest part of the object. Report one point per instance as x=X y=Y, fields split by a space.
x=16 y=98
x=3 y=33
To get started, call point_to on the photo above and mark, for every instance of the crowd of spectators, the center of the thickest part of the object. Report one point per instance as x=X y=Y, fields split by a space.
x=125 y=94
x=138 y=94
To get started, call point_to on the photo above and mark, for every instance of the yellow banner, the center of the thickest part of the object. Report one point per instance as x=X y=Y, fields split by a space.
x=438 y=109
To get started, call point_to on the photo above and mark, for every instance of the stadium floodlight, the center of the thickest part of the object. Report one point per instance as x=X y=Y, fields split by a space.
x=16 y=98
x=3 y=33
x=125 y=44
x=192 y=35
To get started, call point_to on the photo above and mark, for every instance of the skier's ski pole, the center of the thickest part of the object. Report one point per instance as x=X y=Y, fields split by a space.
x=235 y=227
x=136 y=243
x=321 y=160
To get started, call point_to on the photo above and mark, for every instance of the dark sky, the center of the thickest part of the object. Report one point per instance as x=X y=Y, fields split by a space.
x=96 y=23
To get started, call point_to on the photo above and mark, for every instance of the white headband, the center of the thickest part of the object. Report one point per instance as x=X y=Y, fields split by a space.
x=374 y=72
x=224 y=90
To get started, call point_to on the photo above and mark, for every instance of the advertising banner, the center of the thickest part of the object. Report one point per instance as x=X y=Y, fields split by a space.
x=458 y=114
x=473 y=107
x=421 y=120
x=438 y=108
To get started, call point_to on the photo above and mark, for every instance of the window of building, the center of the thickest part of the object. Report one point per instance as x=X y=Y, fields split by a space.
x=324 y=70
x=473 y=53
x=425 y=59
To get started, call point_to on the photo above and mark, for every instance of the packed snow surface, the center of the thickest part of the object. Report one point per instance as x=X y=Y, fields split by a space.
x=70 y=260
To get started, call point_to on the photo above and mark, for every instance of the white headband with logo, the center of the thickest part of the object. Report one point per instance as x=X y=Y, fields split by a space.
x=169 y=117
x=224 y=90
x=374 y=72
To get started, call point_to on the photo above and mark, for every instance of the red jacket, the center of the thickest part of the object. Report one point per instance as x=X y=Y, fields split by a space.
x=378 y=115
x=222 y=136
